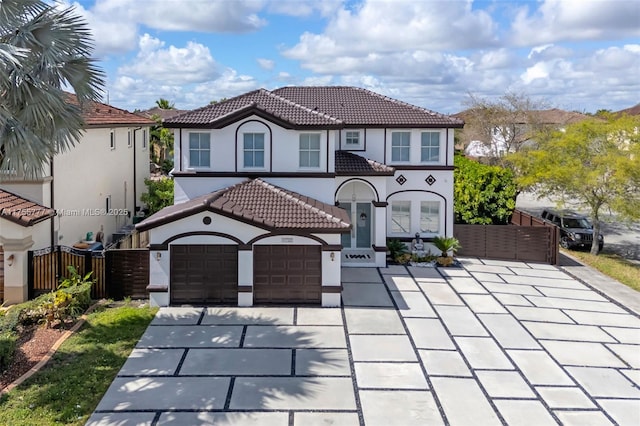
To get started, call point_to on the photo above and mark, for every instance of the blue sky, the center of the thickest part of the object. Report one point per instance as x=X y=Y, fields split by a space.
x=580 y=55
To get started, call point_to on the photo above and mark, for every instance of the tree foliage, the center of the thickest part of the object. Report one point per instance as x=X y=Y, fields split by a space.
x=161 y=141
x=163 y=103
x=503 y=125
x=594 y=164
x=159 y=194
x=43 y=48
x=483 y=194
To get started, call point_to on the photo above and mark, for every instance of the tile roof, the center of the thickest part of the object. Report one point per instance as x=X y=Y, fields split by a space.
x=164 y=114
x=323 y=106
x=22 y=211
x=97 y=114
x=350 y=164
x=634 y=110
x=261 y=204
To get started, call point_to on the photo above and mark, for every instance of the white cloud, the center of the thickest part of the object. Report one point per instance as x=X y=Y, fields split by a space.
x=384 y=28
x=266 y=64
x=539 y=70
x=173 y=65
x=115 y=23
x=563 y=20
x=304 y=7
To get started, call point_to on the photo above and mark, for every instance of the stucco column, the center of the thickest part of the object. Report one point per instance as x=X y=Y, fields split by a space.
x=16 y=267
x=331 y=285
x=159 y=261
x=245 y=276
x=380 y=233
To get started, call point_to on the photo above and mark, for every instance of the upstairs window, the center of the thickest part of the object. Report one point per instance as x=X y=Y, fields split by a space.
x=401 y=217
x=144 y=139
x=254 y=149
x=400 y=146
x=129 y=139
x=430 y=217
x=310 y=150
x=199 y=150
x=430 y=147
x=112 y=139
x=352 y=139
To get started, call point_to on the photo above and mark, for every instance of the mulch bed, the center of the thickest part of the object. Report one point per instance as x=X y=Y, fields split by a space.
x=32 y=345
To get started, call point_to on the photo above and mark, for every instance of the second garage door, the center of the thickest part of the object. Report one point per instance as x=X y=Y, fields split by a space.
x=204 y=274
x=287 y=274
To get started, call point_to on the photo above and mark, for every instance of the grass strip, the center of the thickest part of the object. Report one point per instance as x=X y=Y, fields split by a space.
x=613 y=266
x=70 y=386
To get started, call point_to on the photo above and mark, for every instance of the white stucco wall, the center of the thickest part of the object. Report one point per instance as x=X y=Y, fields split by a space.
x=91 y=172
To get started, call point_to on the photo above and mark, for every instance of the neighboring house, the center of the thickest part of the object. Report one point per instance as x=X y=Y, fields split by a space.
x=634 y=110
x=276 y=190
x=499 y=145
x=93 y=187
x=160 y=152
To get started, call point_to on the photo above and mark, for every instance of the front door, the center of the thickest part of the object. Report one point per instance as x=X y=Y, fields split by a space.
x=360 y=236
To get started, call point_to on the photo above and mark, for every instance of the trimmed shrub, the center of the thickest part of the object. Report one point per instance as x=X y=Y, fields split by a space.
x=483 y=194
x=7 y=348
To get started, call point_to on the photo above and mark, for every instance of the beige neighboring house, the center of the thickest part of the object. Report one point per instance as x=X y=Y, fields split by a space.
x=554 y=117
x=94 y=187
x=162 y=114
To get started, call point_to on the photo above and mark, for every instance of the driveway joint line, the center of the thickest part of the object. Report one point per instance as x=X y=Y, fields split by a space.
x=179 y=366
x=434 y=394
x=352 y=366
x=227 y=401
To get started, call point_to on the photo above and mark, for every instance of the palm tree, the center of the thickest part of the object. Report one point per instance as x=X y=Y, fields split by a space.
x=163 y=103
x=43 y=49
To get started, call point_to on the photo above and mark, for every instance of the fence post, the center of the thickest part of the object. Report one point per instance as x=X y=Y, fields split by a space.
x=58 y=254
x=30 y=278
x=88 y=267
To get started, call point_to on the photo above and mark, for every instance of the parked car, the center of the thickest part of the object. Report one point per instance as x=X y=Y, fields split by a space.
x=575 y=229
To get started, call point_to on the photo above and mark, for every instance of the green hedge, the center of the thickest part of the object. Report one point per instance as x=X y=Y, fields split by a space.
x=482 y=194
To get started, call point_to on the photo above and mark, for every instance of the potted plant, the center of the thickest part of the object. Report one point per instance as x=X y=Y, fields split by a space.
x=446 y=245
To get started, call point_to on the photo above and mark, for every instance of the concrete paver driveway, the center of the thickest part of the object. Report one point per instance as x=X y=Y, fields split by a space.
x=490 y=343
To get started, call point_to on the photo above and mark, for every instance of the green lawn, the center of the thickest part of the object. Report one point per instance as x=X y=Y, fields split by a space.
x=69 y=387
x=612 y=265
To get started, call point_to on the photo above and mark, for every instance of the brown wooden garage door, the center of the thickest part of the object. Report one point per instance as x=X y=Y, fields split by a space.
x=204 y=274
x=287 y=274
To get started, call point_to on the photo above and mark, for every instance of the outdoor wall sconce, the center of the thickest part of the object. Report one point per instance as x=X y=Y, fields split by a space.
x=158 y=255
x=10 y=260
x=363 y=217
x=332 y=256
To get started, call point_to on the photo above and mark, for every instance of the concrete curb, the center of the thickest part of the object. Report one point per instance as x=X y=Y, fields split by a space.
x=615 y=290
x=51 y=352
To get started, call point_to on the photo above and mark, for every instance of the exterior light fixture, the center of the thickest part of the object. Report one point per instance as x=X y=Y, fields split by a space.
x=10 y=260
x=363 y=217
x=158 y=255
x=332 y=256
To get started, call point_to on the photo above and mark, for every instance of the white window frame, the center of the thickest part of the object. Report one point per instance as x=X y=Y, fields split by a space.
x=309 y=150
x=431 y=207
x=395 y=147
x=252 y=149
x=200 y=149
x=396 y=225
x=429 y=147
x=350 y=136
x=112 y=139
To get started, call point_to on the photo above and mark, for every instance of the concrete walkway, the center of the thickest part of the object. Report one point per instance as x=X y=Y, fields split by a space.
x=491 y=343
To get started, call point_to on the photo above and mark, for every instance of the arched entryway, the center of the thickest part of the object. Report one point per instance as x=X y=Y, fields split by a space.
x=356 y=197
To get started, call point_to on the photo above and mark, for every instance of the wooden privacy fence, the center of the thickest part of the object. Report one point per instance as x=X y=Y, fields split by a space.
x=117 y=273
x=529 y=239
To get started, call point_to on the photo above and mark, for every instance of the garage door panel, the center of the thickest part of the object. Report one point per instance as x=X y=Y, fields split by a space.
x=204 y=274
x=287 y=274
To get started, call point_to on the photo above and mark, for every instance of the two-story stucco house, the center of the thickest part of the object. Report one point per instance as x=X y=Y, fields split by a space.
x=275 y=191
x=93 y=187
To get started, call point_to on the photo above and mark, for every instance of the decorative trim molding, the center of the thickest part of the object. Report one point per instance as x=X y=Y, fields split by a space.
x=332 y=288
x=245 y=289
x=379 y=203
x=332 y=247
x=379 y=249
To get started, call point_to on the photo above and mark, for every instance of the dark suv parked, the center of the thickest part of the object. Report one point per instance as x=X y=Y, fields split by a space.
x=575 y=229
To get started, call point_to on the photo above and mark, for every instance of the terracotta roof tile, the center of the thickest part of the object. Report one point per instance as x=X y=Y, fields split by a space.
x=329 y=106
x=22 y=211
x=261 y=204
x=99 y=114
x=164 y=114
x=350 y=164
